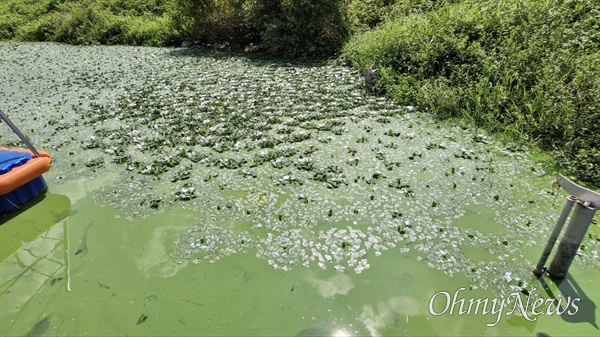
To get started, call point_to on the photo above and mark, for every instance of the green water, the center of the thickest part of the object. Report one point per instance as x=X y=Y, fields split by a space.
x=350 y=231
x=126 y=273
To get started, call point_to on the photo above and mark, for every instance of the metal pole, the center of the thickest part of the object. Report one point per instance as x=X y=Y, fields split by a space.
x=539 y=269
x=19 y=134
x=571 y=239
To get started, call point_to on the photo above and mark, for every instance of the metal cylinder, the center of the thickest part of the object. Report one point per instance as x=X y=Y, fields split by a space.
x=539 y=269
x=569 y=243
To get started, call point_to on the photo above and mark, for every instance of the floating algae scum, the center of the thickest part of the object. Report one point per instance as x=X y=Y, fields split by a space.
x=208 y=194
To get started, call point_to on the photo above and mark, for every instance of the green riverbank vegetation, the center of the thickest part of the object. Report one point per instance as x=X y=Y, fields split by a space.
x=133 y=22
x=528 y=69
x=307 y=27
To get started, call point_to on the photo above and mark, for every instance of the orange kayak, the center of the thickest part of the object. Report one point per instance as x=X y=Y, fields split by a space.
x=22 y=174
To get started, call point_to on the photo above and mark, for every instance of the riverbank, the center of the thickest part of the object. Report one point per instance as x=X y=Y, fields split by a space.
x=526 y=70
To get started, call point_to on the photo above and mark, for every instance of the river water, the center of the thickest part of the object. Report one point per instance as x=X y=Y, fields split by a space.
x=197 y=193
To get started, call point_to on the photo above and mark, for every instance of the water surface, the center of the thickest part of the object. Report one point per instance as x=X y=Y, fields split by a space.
x=196 y=193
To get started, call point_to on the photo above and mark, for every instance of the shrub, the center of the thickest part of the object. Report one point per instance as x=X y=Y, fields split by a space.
x=150 y=31
x=140 y=22
x=80 y=25
x=18 y=19
x=367 y=14
x=299 y=26
x=136 y=8
x=37 y=30
x=8 y=26
x=281 y=26
x=211 y=21
x=528 y=69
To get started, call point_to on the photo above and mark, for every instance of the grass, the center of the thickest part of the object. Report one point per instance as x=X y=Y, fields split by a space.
x=308 y=27
x=89 y=22
x=527 y=69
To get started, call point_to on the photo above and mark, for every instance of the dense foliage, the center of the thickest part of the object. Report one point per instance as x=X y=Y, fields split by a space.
x=281 y=26
x=524 y=68
x=528 y=69
x=300 y=27
x=134 y=22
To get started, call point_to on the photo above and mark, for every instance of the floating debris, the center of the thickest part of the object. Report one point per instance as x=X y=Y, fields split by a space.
x=142 y=319
x=326 y=176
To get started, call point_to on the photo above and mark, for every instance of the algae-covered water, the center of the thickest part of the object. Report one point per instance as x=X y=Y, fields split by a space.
x=196 y=193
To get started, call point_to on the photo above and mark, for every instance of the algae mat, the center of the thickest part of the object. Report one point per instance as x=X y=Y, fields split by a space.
x=196 y=193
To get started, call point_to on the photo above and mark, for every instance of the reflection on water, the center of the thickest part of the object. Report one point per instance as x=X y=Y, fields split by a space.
x=564 y=292
x=33 y=253
x=338 y=284
x=40 y=328
x=128 y=268
x=35 y=264
x=387 y=312
x=155 y=259
x=314 y=332
x=32 y=220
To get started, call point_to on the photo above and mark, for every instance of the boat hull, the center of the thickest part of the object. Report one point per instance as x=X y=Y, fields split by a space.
x=24 y=181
